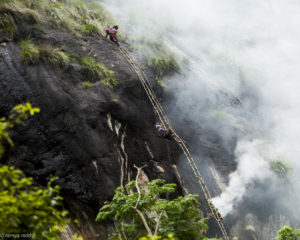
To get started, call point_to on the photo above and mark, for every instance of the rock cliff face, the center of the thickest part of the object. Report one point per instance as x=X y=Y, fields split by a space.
x=89 y=137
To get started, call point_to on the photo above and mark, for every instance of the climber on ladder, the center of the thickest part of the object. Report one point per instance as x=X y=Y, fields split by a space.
x=215 y=211
x=162 y=132
x=112 y=33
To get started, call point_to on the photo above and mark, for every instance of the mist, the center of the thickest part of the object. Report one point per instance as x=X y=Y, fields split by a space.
x=250 y=51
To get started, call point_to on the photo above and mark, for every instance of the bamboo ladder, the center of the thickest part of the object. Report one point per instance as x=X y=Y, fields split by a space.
x=162 y=116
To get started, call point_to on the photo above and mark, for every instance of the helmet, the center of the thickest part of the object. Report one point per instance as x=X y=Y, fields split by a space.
x=158 y=126
x=116 y=27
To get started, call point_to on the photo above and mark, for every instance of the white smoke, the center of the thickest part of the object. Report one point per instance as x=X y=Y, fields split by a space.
x=251 y=166
x=242 y=48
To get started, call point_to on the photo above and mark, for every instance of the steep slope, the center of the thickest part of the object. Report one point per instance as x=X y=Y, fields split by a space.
x=90 y=137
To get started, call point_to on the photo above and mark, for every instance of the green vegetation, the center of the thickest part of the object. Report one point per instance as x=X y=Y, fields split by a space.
x=158 y=57
x=148 y=237
x=163 y=65
x=7 y=26
x=17 y=116
x=137 y=212
x=28 y=209
x=73 y=15
x=160 y=82
x=280 y=168
x=32 y=54
x=99 y=71
x=53 y=56
x=89 y=29
x=219 y=115
x=86 y=84
x=287 y=233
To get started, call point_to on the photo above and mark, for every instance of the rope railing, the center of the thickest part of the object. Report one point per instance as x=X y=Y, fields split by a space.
x=162 y=116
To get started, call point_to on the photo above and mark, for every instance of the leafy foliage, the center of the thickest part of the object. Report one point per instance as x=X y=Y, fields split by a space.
x=99 y=71
x=28 y=209
x=148 y=237
x=17 y=116
x=179 y=217
x=287 y=233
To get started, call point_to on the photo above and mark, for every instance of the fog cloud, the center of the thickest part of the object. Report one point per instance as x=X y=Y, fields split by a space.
x=248 y=50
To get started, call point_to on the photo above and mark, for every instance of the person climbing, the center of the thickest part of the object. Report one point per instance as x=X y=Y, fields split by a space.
x=112 y=33
x=162 y=132
x=215 y=211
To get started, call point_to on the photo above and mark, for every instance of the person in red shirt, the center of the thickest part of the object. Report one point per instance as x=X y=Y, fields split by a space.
x=112 y=33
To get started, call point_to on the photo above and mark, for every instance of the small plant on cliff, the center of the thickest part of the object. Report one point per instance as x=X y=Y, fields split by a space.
x=163 y=65
x=280 y=168
x=140 y=211
x=89 y=29
x=287 y=233
x=32 y=54
x=7 y=26
x=99 y=71
x=86 y=84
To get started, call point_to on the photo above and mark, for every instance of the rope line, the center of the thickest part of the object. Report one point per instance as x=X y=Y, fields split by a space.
x=167 y=125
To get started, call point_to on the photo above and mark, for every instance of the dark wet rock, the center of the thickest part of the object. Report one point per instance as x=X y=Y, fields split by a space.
x=89 y=137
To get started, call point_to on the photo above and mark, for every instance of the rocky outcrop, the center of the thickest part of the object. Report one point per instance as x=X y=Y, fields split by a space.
x=89 y=137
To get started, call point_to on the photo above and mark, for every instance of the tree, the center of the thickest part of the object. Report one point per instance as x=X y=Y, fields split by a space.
x=138 y=212
x=26 y=209
x=287 y=233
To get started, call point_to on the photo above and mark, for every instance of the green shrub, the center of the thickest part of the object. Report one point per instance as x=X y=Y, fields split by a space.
x=163 y=65
x=28 y=209
x=23 y=10
x=53 y=56
x=32 y=53
x=287 y=233
x=99 y=71
x=29 y=52
x=136 y=211
x=86 y=84
x=89 y=29
x=7 y=26
x=160 y=82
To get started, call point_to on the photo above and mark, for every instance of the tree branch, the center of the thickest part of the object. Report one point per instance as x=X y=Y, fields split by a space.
x=157 y=223
x=139 y=199
x=137 y=184
x=144 y=221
